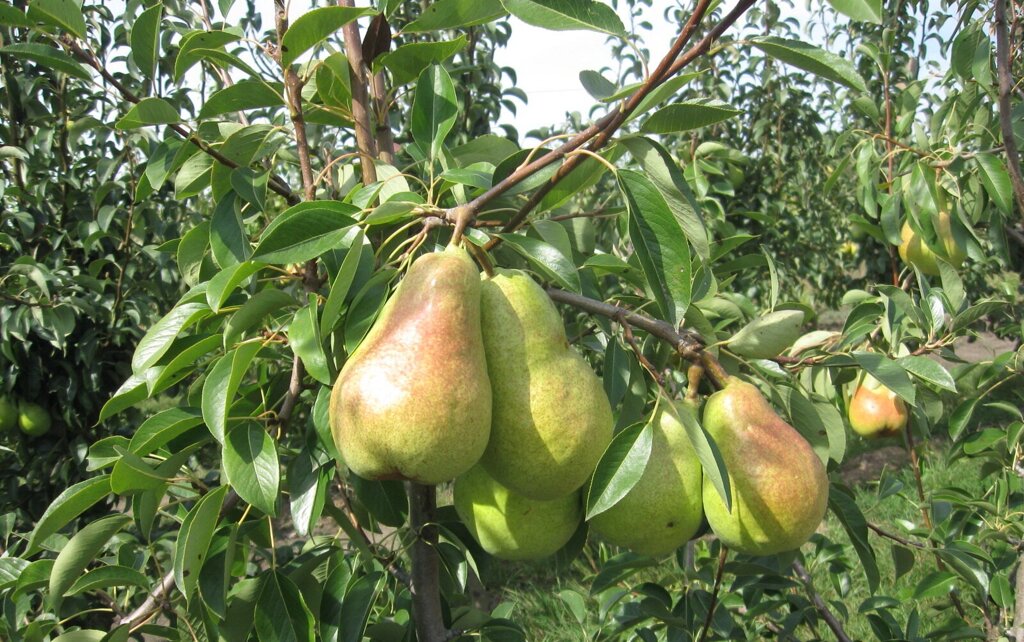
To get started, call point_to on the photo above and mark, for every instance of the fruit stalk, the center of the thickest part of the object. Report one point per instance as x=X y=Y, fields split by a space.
x=426 y=596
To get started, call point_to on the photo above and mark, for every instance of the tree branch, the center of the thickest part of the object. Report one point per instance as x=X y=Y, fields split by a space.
x=722 y=554
x=426 y=596
x=819 y=603
x=360 y=99
x=1005 y=117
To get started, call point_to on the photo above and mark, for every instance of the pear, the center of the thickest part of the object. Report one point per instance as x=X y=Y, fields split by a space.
x=33 y=419
x=876 y=411
x=551 y=418
x=914 y=251
x=779 y=486
x=510 y=526
x=413 y=402
x=664 y=508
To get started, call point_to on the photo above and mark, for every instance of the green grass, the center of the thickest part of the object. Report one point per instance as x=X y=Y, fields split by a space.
x=533 y=590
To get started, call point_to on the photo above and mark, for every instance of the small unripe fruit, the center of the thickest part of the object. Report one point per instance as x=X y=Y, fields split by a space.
x=33 y=419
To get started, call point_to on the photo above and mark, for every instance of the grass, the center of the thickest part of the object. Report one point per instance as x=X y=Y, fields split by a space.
x=533 y=592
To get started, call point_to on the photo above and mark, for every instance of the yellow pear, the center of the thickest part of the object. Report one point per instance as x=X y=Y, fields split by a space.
x=510 y=526
x=413 y=402
x=664 y=508
x=876 y=411
x=914 y=251
x=551 y=418
x=779 y=486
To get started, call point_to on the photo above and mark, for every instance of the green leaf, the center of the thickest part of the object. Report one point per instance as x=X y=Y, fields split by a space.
x=193 y=543
x=182 y=354
x=551 y=262
x=13 y=16
x=356 y=607
x=845 y=508
x=341 y=284
x=707 y=452
x=71 y=503
x=251 y=466
x=145 y=39
x=158 y=338
x=66 y=14
x=242 y=96
x=312 y=27
x=305 y=341
x=688 y=115
x=221 y=286
x=47 y=56
x=409 y=60
x=149 y=111
x=567 y=15
x=961 y=416
x=596 y=85
x=862 y=10
x=196 y=45
x=935 y=584
x=106 y=577
x=435 y=109
x=307 y=486
x=221 y=385
x=305 y=231
x=659 y=244
x=281 y=613
x=131 y=392
x=254 y=311
x=928 y=370
x=996 y=180
x=80 y=551
x=620 y=468
x=889 y=372
x=663 y=171
x=251 y=186
x=228 y=242
x=812 y=59
x=451 y=14
x=767 y=336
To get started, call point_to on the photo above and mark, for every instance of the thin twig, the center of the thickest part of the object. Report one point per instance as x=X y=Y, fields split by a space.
x=819 y=603
x=714 y=594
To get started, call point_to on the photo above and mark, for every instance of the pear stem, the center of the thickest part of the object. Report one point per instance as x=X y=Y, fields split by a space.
x=481 y=257
x=426 y=594
x=714 y=369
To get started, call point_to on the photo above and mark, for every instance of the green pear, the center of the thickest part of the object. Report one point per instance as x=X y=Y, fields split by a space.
x=8 y=414
x=551 y=417
x=510 y=526
x=33 y=419
x=413 y=402
x=914 y=251
x=779 y=486
x=664 y=508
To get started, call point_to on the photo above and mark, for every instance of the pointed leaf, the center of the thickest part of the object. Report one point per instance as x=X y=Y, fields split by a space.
x=47 y=56
x=435 y=109
x=242 y=96
x=221 y=385
x=71 y=503
x=813 y=59
x=312 y=27
x=66 y=14
x=620 y=468
x=145 y=39
x=546 y=258
x=251 y=466
x=567 y=15
x=688 y=115
x=305 y=231
x=149 y=111
x=80 y=551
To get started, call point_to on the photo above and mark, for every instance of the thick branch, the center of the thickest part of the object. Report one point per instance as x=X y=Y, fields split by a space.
x=819 y=603
x=360 y=99
x=1005 y=117
x=426 y=596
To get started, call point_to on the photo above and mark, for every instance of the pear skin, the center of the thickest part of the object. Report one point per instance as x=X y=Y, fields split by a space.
x=413 y=402
x=510 y=526
x=551 y=418
x=914 y=251
x=875 y=411
x=779 y=486
x=664 y=508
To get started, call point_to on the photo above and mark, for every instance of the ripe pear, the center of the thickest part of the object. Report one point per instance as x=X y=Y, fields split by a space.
x=914 y=251
x=413 y=402
x=779 y=486
x=876 y=411
x=551 y=418
x=664 y=508
x=510 y=526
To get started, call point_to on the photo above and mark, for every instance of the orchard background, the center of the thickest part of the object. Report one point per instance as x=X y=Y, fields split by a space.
x=202 y=216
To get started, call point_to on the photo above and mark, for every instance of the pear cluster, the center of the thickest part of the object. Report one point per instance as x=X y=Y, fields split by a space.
x=471 y=378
